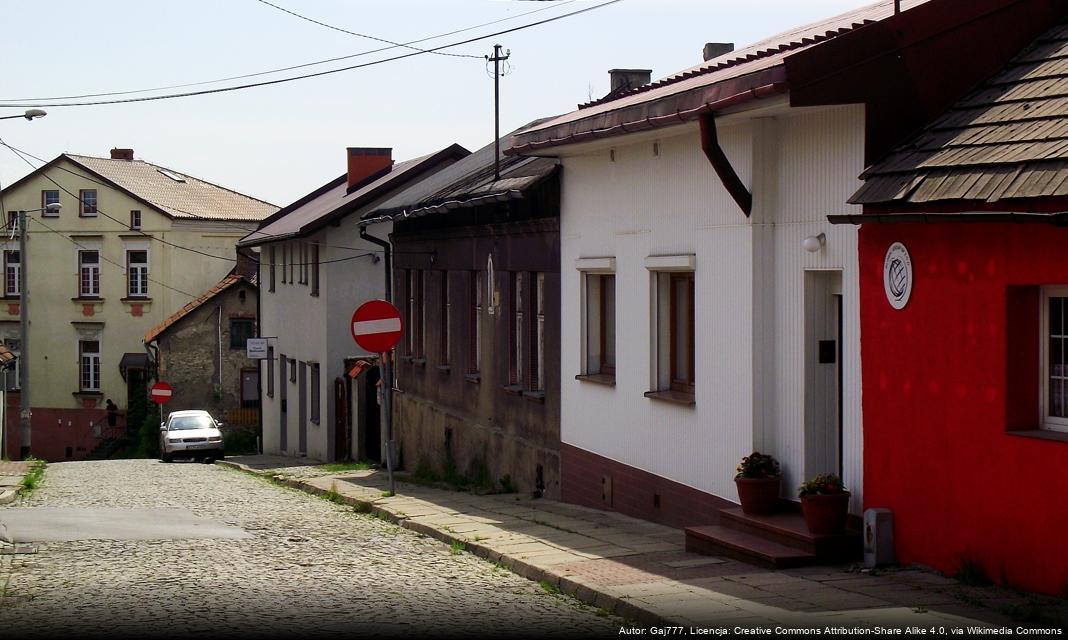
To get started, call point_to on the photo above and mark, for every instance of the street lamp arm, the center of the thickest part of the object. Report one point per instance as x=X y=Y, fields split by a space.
x=29 y=114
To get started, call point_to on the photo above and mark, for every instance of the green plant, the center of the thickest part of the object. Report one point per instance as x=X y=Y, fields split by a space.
x=456 y=547
x=32 y=479
x=758 y=465
x=826 y=484
x=549 y=588
x=362 y=507
x=341 y=467
x=333 y=496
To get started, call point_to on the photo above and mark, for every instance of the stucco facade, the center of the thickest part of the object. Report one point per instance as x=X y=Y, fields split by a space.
x=80 y=292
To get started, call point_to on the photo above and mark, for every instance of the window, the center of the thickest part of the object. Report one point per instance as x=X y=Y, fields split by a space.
x=89 y=274
x=135 y=219
x=292 y=369
x=13 y=375
x=1055 y=358
x=241 y=329
x=285 y=252
x=270 y=372
x=445 y=328
x=515 y=345
x=49 y=196
x=292 y=258
x=12 y=273
x=600 y=324
x=87 y=198
x=315 y=392
x=315 y=269
x=416 y=314
x=270 y=267
x=537 y=334
x=304 y=262
x=682 y=332
x=137 y=274
x=12 y=222
x=89 y=365
x=674 y=320
x=474 y=325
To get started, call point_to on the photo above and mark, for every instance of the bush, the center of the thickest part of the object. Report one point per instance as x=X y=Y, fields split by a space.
x=150 y=432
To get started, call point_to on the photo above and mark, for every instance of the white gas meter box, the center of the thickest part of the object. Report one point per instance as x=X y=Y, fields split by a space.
x=878 y=537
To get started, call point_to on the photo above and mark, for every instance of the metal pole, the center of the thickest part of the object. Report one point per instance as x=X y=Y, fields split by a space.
x=24 y=340
x=387 y=362
x=496 y=112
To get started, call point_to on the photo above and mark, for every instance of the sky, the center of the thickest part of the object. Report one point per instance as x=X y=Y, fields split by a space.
x=282 y=141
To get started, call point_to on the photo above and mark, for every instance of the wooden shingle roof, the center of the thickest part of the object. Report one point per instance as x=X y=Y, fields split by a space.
x=1006 y=141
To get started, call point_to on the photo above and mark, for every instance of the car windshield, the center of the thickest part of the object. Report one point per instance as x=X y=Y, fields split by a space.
x=184 y=423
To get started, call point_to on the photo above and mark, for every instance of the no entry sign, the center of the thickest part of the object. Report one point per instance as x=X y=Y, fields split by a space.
x=377 y=326
x=161 y=393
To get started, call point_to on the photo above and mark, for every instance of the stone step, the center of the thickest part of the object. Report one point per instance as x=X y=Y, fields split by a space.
x=716 y=540
x=789 y=529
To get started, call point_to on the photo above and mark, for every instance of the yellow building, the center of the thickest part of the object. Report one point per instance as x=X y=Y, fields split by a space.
x=132 y=243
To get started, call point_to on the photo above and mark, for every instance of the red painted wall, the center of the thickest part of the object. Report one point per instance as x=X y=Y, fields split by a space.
x=946 y=380
x=54 y=432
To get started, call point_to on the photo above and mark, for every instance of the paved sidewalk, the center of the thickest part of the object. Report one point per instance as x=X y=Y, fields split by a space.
x=641 y=571
x=11 y=474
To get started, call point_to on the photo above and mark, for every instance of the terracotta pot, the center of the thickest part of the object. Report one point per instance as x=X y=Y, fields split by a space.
x=825 y=513
x=758 y=495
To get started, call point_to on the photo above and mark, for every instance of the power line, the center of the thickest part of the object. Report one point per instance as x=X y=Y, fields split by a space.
x=100 y=252
x=265 y=83
x=290 y=68
x=363 y=35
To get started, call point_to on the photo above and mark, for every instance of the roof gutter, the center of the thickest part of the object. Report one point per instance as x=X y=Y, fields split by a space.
x=448 y=205
x=652 y=122
x=1057 y=219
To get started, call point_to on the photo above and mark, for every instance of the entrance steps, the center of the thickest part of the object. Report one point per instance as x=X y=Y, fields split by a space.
x=776 y=541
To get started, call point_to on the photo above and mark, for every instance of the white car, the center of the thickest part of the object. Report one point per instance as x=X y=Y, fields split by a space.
x=190 y=434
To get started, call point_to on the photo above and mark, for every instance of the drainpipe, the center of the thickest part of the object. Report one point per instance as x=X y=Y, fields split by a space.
x=219 y=327
x=387 y=364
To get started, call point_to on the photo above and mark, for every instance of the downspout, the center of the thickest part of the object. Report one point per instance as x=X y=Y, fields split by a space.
x=727 y=175
x=387 y=360
x=218 y=387
x=259 y=333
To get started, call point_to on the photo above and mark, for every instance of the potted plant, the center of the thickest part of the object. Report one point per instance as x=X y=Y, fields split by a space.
x=825 y=504
x=758 y=478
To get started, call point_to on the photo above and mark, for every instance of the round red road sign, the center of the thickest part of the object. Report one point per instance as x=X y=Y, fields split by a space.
x=377 y=326
x=161 y=393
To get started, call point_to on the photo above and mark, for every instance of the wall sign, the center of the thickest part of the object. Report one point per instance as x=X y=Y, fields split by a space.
x=256 y=348
x=897 y=275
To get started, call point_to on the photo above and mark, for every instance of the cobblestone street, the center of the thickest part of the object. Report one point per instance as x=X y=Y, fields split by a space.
x=311 y=568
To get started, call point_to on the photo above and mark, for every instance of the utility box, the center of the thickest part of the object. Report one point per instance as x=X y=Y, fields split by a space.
x=878 y=537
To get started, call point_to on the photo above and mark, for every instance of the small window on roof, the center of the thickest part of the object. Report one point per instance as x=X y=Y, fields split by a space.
x=172 y=175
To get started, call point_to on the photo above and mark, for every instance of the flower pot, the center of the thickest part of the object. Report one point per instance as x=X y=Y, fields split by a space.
x=825 y=513
x=758 y=495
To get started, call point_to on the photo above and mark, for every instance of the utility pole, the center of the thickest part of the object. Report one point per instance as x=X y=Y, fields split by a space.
x=24 y=340
x=497 y=59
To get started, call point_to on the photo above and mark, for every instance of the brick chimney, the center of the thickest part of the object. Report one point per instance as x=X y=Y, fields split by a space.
x=122 y=154
x=367 y=163
x=628 y=78
x=716 y=49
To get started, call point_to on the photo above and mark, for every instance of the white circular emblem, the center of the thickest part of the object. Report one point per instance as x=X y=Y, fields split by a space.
x=897 y=275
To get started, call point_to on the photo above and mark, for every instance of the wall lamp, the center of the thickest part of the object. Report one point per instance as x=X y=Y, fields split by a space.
x=812 y=244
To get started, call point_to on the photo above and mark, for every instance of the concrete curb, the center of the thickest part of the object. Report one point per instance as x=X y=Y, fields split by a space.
x=8 y=496
x=584 y=592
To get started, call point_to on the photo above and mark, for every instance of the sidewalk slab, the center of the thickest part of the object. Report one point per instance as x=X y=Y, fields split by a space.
x=641 y=570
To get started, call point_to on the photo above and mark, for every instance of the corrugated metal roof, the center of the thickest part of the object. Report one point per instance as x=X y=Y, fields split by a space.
x=177 y=194
x=664 y=98
x=194 y=304
x=470 y=181
x=307 y=215
x=1006 y=140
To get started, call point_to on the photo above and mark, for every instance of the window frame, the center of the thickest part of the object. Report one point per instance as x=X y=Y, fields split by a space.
x=133 y=274
x=284 y=253
x=536 y=379
x=93 y=269
x=45 y=213
x=678 y=383
x=135 y=219
x=516 y=374
x=474 y=326
x=1048 y=422
x=12 y=281
x=250 y=323
x=315 y=269
x=14 y=345
x=93 y=366
x=445 y=320
x=85 y=210
x=272 y=255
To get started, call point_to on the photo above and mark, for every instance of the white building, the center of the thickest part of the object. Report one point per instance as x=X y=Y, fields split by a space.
x=315 y=269
x=708 y=307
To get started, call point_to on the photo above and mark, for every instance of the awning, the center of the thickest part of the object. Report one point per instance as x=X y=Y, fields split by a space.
x=133 y=361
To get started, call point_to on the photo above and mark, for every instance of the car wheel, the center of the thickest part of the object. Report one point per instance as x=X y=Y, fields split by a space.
x=165 y=457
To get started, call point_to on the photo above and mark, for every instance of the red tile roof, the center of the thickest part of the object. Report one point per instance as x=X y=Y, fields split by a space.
x=194 y=304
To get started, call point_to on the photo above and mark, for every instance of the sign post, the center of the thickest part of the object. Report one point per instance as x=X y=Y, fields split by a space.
x=377 y=326
x=161 y=393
